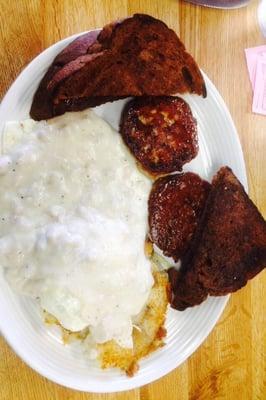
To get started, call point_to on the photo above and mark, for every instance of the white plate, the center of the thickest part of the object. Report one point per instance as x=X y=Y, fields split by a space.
x=20 y=320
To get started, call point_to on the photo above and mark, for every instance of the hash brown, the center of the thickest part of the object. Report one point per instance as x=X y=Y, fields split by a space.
x=148 y=332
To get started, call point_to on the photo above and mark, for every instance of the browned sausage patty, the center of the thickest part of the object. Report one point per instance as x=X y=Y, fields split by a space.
x=175 y=206
x=161 y=133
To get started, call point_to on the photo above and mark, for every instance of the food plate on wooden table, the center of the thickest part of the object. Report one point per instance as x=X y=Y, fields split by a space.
x=40 y=345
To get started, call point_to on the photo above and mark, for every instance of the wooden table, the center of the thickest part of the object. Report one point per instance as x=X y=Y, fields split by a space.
x=231 y=362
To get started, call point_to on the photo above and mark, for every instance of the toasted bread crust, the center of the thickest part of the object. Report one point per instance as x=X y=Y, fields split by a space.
x=160 y=132
x=139 y=56
x=229 y=247
x=42 y=107
x=175 y=205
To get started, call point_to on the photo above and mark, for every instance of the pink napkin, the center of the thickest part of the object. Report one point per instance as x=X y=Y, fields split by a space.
x=256 y=62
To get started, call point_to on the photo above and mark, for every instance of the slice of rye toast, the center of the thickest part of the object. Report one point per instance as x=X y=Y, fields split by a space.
x=70 y=56
x=138 y=56
x=229 y=247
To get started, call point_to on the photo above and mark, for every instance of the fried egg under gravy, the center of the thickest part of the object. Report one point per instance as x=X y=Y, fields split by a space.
x=73 y=223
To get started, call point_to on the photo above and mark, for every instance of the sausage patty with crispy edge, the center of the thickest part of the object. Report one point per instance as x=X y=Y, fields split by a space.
x=161 y=132
x=175 y=204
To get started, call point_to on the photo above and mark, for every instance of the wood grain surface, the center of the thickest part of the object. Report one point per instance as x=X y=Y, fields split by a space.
x=231 y=362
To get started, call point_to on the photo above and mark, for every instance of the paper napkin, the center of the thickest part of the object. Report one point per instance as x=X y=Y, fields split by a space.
x=256 y=62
